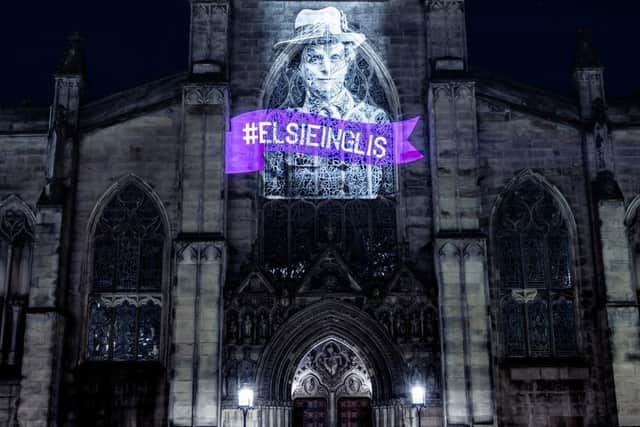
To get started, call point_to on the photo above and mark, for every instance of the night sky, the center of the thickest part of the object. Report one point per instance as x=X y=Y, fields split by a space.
x=129 y=42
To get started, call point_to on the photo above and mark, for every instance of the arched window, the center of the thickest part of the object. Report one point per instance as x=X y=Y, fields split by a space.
x=535 y=284
x=125 y=303
x=16 y=241
x=364 y=232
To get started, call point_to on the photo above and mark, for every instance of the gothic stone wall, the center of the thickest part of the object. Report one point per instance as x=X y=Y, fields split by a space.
x=23 y=147
x=530 y=393
x=23 y=150
x=146 y=146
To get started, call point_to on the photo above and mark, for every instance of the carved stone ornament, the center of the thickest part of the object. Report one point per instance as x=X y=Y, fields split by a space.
x=524 y=296
x=331 y=367
x=198 y=252
x=14 y=224
x=445 y=5
x=204 y=11
x=15 y=220
x=453 y=90
x=204 y=95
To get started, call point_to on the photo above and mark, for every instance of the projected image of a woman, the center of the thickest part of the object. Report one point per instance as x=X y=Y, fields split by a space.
x=324 y=75
x=328 y=52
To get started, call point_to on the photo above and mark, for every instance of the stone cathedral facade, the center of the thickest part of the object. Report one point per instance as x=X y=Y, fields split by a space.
x=143 y=286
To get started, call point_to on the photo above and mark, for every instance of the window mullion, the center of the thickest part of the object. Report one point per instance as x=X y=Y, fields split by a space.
x=5 y=303
x=548 y=281
x=523 y=284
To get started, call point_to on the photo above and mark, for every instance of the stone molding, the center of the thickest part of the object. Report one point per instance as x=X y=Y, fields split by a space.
x=68 y=82
x=201 y=252
x=453 y=90
x=204 y=94
x=433 y=5
x=589 y=74
x=203 y=11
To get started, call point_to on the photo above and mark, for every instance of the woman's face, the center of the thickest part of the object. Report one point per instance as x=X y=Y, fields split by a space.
x=324 y=67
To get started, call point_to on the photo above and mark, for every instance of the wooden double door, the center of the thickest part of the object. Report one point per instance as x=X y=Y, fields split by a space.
x=351 y=412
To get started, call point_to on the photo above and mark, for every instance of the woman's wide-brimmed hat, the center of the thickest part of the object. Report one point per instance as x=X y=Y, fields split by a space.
x=327 y=23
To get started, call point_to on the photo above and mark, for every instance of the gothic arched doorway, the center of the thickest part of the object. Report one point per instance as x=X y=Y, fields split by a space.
x=330 y=347
x=331 y=386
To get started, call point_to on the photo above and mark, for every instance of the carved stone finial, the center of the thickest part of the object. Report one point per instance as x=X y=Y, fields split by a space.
x=586 y=55
x=73 y=61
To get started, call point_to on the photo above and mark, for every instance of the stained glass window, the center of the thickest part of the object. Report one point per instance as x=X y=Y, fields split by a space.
x=536 y=292
x=125 y=305
x=363 y=231
x=16 y=237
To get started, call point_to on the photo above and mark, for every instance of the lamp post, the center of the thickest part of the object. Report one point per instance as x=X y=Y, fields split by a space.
x=245 y=402
x=418 y=399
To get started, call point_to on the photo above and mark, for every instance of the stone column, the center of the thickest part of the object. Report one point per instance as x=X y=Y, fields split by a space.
x=208 y=41
x=195 y=383
x=44 y=326
x=200 y=260
x=446 y=35
x=273 y=416
x=588 y=75
x=45 y=323
x=622 y=310
x=389 y=416
x=460 y=255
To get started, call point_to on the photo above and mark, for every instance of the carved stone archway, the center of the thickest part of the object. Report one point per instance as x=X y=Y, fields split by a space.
x=324 y=321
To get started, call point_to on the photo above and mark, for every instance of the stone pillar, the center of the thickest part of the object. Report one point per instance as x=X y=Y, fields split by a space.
x=622 y=309
x=44 y=326
x=460 y=256
x=273 y=416
x=208 y=41
x=588 y=74
x=590 y=85
x=45 y=323
x=446 y=35
x=389 y=416
x=63 y=120
x=202 y=169
x=195 y=383
x=589 y=81
x=200 y=260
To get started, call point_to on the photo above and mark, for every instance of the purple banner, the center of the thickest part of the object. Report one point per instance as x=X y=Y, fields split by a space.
x=252 y=134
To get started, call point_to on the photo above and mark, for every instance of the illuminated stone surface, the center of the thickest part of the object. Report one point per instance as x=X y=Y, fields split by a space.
x=147 y=288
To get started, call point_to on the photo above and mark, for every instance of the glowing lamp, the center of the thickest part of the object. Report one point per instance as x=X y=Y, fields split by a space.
x=417 y=395
x=245 y=397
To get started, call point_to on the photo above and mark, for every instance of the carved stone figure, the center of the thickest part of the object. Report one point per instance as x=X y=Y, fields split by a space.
x=263 y=327
x=416 y=325
x=247 y=327
x=232 y=331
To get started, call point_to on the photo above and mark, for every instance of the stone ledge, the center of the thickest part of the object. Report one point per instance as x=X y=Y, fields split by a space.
x=549 y=373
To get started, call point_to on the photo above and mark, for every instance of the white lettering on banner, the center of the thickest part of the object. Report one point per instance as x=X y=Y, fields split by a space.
x=316 y=136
